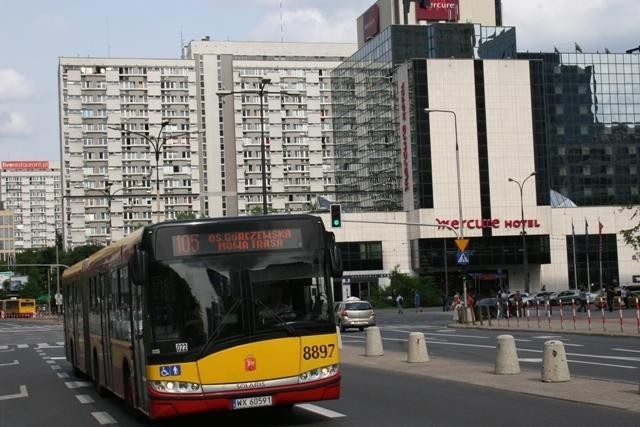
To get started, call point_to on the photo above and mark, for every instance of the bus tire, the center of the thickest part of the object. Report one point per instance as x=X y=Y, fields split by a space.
x=102 y=392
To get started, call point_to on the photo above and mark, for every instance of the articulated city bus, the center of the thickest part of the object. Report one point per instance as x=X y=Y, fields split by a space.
x=212 y=314
x=18 y=308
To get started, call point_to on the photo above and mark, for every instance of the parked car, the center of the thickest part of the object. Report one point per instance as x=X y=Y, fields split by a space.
x=526 y=297
x=565 y=297
x=541 y=297
x=354 y=313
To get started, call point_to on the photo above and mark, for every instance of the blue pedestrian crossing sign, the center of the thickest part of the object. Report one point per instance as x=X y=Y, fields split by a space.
x=462 y=258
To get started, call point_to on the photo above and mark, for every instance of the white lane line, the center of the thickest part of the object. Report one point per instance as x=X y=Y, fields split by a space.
x=7 y=351
x=58 y=358
x=320 y=411
x=55 y=367
x=4 y=347
x=23 y=345
x=602 y=364
x=51 y=362
x=41 y=346
x=598 y=356
x=547 y=337
x=530 y=360
x=626 y=349
x=521 y=340
x=566 y=344
x=104 y=418
x=458 y=336
x=23 y=393
x=63 y=375
x=15 y=362
x=78 y=384
x=84 y=398
x=60 y=343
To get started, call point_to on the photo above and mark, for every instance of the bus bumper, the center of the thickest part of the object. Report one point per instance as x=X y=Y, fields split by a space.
x=163 y=406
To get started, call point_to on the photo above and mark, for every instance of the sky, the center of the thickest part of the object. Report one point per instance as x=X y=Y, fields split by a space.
x=35 y=33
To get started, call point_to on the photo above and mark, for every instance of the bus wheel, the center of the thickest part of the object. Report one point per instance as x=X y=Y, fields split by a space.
x=102 y=392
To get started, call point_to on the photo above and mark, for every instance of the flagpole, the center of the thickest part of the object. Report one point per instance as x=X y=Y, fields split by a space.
x=586 y=236
x=600 y=226
x=575 y=268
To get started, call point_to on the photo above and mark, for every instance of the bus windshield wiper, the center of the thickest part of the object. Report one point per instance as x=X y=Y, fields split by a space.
x=218 y=330
x=271 y=314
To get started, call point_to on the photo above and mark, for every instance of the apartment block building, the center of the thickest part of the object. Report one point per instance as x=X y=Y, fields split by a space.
x=129 y=142
x=31 y=190
x=296 y=115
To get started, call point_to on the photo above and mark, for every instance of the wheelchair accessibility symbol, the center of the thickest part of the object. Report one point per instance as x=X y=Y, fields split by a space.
x=170 y=370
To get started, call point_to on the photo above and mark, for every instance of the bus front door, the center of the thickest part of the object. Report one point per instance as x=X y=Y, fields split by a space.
x=142 y=398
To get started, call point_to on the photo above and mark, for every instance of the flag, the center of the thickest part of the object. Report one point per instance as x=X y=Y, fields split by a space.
x=586 y=238
x=600 y=227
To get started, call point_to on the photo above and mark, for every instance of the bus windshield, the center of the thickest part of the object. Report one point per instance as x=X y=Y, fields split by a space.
x=208 y=300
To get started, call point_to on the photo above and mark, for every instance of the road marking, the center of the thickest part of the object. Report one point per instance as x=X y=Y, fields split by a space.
x=60 y=343
x=602 y=364
x=84 y=398
x=626 y=349
x=58 y=358
x=104 y=418
x=55 y=367
x=547 y=337
x=458 y=336
x=23 y=345
x=15 y=362
x=23 y=393
x=7 y=351
x=51 y=362
x=597 y=356
x=63 y=375
x=320 y=411
x=4 y=347
x=572 y=345
x=530 y=360
x=78 y=384
x=521 y=340
x=44 y=345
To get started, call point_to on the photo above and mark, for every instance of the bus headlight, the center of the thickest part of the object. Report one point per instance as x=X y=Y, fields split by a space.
x=318 y=374
x=174 y=387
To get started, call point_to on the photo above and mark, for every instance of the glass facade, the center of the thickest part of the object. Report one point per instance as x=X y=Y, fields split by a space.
x=593 y=115
x=364 y=103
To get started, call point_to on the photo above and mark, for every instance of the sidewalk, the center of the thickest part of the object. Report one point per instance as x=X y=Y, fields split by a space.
x=595 y=392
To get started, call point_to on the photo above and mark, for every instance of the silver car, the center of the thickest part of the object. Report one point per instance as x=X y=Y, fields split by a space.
x=354 y=313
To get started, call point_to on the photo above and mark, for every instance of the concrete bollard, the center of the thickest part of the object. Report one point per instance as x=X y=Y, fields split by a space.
x=506 y=356
x=417 y=348
x=554 y=363
x=373 y=345
x=339 y=337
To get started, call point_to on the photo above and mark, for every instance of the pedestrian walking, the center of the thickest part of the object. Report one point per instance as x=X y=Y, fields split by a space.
x=399 y=301
x=584 y=299
x=416 y=301
x=456 y=305
x=610 y=296
x=445 y=302
x=624 y=296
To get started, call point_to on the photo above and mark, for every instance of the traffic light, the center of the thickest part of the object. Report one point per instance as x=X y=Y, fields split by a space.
x=336 y=221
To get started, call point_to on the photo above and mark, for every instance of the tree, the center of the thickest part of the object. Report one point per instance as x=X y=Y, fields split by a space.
x=631 y=236
x=407 y=286
x=186 y=215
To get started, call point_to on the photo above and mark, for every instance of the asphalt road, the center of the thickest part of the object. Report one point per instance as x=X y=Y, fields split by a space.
x=37 y=389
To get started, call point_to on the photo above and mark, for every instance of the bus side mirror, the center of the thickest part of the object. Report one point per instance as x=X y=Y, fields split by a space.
x=138 y=267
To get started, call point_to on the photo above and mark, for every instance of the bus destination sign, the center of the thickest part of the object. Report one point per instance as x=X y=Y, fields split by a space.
x=236 y=241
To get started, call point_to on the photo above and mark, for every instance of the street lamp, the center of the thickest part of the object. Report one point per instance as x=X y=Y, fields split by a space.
x=156 y=144
x=261 y=91
x=525 y=261
x=461 y=236
x=109 y=196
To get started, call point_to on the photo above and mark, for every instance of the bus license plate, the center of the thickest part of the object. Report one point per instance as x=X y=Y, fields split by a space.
x=252 y=402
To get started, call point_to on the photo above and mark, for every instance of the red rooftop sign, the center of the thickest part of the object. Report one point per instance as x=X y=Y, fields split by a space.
x=438 y=10
x=26 y=164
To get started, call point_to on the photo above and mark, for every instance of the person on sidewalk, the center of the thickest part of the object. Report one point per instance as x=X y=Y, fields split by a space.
x=624 y=296
x=610 y=296
x=416 y=301
x=399 y=301
x=456 y=305
x=584 y=296
x=517 y=300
